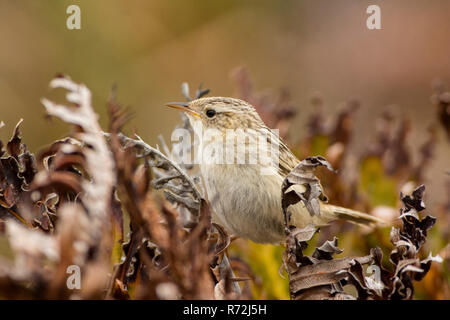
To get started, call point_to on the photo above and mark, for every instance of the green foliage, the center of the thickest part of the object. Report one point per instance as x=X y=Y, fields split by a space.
x=379 y=188
x=265 y=261
x=319 y=145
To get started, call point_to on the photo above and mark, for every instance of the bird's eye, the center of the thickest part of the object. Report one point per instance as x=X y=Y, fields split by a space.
x=210 y=113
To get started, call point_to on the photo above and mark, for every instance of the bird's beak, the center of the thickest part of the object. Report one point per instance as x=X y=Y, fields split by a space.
x=183 y=106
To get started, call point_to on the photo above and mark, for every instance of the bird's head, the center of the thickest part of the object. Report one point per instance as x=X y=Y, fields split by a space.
x=220 y=114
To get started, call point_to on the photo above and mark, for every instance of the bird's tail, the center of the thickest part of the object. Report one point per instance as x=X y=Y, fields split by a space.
x=352 y=215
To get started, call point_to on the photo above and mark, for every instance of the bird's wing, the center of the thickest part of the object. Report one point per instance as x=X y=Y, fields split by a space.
x=286 y=159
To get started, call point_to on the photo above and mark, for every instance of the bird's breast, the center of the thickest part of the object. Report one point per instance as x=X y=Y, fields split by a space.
x=244 y=201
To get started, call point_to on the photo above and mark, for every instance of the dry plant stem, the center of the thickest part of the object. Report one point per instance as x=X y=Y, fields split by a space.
x=148 y=150
x=151 y=150
x=225 y=267
x=226 y=271
x=16 y=215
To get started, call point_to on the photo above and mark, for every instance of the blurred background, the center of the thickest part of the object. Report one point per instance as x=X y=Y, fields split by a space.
x=309 y=48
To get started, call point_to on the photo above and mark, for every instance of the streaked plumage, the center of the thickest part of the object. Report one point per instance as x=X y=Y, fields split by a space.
x=245 y=202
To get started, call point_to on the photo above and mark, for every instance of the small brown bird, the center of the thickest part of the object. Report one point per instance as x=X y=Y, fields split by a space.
x=245 y=196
